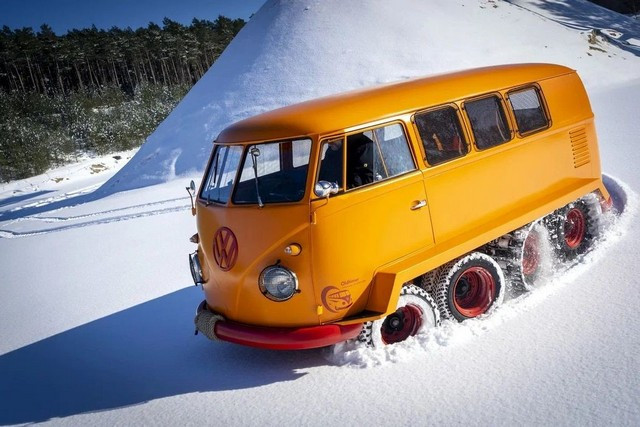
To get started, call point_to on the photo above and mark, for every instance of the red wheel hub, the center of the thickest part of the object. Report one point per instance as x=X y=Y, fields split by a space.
x=575 y=227
x=402 y=324
x=531 y=254
x=474 y=292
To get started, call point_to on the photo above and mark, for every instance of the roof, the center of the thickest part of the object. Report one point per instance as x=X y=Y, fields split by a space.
x=338 y=112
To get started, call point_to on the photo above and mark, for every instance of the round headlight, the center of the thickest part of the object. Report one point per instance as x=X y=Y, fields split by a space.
x=278 y=283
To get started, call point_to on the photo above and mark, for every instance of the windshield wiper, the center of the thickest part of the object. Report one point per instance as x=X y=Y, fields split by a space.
x=255 y=152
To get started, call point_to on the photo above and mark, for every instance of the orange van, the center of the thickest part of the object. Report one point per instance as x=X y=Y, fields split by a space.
x=375 y=213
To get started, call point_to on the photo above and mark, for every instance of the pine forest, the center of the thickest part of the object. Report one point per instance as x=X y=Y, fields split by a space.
x=95 y=91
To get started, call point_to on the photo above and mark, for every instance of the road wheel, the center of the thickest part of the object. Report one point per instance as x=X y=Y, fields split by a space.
x=531 y=260
x=469 y=286
x=416 y=311
x=576 y=226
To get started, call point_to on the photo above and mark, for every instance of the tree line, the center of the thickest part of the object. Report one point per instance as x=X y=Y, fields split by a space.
x=95 y=91
x=89 y=59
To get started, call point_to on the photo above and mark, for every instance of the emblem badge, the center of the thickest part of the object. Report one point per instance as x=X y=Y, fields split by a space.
x=335 y=299
x=225 y=248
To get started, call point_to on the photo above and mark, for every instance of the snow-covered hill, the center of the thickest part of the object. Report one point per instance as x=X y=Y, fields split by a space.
x=96 y=300
x=291 y=51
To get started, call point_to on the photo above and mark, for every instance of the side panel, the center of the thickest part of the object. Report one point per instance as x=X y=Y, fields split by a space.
x=499 y=182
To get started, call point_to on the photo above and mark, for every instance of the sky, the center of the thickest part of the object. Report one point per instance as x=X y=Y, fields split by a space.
x=63 y=15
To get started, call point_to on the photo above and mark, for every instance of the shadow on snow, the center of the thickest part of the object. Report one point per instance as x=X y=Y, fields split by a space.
x=591 y=16
x=143 y=353
x=50 y=206
x=21 y=198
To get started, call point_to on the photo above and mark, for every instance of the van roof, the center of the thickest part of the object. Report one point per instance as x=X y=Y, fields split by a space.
x=336 y=113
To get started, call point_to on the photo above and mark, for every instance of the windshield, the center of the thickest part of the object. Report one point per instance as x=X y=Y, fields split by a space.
x=273 y=172
x=222 y=173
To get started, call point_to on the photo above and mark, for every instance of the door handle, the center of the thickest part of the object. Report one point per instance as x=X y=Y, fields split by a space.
x=419 y=204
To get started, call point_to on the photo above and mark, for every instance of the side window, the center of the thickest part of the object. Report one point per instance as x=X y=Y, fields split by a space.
x=364 y=164
x=395 y=152
x=377 y=154
x=441 y=134
x=331 y=156
x=528 y=110
x=488 y=122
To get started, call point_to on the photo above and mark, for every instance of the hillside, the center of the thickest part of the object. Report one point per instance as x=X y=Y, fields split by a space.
x=293 y=51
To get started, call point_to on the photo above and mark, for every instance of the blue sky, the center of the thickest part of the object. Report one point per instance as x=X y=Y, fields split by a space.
x=63 y=15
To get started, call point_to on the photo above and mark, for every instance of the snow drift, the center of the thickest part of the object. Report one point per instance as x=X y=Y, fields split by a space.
x=291 y=51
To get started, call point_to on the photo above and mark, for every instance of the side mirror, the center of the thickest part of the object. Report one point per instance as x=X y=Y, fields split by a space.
x=325 y=189
x=191 y=189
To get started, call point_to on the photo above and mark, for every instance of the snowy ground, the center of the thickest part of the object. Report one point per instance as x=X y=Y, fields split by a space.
x=97 y=304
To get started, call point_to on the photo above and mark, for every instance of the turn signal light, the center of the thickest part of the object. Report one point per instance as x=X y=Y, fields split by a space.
x=293 y=249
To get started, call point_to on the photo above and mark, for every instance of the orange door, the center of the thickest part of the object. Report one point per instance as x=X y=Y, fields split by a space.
x=357 y=232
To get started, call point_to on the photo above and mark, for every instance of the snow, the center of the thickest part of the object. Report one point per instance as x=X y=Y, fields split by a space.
x=97 y=303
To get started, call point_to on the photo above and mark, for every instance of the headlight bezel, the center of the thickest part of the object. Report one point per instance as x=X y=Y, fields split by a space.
x=264 y=286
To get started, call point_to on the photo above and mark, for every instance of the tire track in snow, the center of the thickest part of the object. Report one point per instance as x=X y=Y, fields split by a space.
x=53 y=219
x=54 y=199
x=8 y=234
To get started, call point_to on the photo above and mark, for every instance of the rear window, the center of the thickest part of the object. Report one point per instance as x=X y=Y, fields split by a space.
x=488 y=122
x=441 y=134
x=528 y=110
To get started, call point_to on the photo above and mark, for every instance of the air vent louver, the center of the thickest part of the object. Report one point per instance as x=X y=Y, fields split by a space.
x=580 y=147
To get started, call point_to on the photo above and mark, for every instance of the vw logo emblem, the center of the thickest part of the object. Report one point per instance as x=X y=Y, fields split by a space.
x=225 y=248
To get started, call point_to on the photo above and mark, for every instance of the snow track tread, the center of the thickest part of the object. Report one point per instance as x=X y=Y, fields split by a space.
x=446 y=273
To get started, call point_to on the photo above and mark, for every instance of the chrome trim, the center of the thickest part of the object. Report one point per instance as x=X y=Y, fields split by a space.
x=325 y=188
x=196 y=268
x=419 y=204
x=264 y=290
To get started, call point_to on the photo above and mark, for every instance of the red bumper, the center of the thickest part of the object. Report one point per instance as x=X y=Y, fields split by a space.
x=285 y=338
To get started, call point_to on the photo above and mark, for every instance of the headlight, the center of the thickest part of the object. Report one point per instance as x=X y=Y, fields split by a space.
x=278 y=283
x=196 y=269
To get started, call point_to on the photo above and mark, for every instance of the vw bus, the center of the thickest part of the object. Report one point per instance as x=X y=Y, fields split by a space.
x=373 y=214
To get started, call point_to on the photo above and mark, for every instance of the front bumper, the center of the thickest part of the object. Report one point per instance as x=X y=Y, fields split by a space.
x=215 y=327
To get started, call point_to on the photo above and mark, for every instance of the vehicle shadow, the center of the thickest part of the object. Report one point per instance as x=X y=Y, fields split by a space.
x=143 y=353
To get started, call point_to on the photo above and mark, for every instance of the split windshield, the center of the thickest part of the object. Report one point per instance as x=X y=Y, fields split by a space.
x=270 y=173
